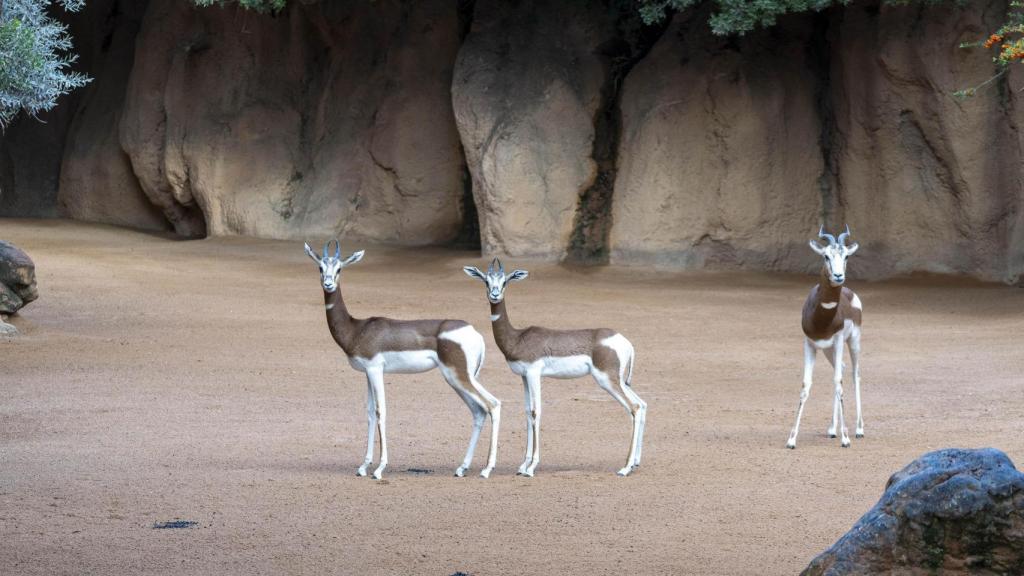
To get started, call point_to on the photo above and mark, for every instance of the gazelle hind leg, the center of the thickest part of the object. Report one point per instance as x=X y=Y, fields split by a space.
x=641 y=414
x=855 y=362
x=528 y=408
x=535 y=413
x=809 y=353
x=835 y=401
x=494 y=409
x=376 y=377
x=604 y=381
x=371 y=432
x=837 y=380
x=476 y=407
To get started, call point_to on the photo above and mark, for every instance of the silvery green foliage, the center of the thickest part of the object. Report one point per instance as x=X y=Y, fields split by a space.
x=739 y=16
x=262 y=6
x=35 y=57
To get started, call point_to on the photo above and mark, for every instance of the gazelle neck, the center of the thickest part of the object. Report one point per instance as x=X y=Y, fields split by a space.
x=504 y=333
x=828 y=295
x=339 y=321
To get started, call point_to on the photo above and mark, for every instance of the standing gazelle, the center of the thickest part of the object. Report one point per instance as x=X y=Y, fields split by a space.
x=535 y=352
x=377 y=346
x=831 y=318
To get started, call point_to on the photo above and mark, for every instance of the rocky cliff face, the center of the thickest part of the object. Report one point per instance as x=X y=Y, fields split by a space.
x=576 y=133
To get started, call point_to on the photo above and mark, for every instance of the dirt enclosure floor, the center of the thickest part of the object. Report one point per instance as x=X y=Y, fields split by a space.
x=159 y=380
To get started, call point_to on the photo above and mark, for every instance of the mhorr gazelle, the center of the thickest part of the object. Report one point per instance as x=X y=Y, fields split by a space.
x=831 y=318
x=535 y=352
x=378 y=346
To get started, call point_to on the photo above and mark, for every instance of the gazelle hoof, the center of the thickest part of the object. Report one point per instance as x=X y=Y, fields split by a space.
x=460 y=472
x=378 y=474
x=625 y=471
x=361 y=472
x=485 y=473
x=845 y=443
x=526 y=473
x=859 y=434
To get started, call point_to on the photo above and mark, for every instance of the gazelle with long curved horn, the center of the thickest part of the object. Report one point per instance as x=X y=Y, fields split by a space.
x=535 y=352
x=832 y=318
x=378 y=346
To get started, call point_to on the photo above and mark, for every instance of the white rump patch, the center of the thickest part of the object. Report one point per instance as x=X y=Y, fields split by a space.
x=856 y=302
x=472 y=344
x=623 y=349
x=829 y=305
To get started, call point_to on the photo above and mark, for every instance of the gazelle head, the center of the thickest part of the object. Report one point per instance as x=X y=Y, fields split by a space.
x=835 y=254
x=495 y=279
x=330 y=266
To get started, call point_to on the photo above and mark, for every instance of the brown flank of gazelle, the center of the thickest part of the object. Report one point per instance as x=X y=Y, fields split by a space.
x=376 y=346
x=831 y=319
x=535 y=352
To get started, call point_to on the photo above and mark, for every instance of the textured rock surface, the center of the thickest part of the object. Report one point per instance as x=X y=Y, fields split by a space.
x=948 y=512
x=526 y=89
x=329 y=116
x=96 y=179
x=356 y=117
x=929 y=183
x=17 y=279
x=719 y=157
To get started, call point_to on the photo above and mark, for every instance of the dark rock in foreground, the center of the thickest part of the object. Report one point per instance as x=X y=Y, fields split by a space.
x=17 y=279
x=948 y=512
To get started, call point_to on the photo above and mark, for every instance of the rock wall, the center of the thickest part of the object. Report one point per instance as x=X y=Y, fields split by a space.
x=330 y=116
x=576 y=133
x=720 y=157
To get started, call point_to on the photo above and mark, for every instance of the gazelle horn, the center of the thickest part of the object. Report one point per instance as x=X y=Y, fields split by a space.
x=337 y=249
x=491 y=269
x=822 y=234
x=842 y=237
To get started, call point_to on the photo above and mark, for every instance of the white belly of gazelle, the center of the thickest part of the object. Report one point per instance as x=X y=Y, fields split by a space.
x=405 y=362
x=555 y=366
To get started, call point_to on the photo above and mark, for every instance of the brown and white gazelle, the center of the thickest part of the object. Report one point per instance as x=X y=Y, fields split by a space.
x=376 y=346
x=831 y=318
x=535 y=352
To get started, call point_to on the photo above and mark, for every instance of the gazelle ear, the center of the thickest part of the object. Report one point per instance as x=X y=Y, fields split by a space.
x=355 y=257
x=517 y=275
x=816 y=247
x=852 y=248
x=310 y=253
x=474 y=272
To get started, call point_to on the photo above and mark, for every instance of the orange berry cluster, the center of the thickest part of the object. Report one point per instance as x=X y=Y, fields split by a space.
x=1011 y=52
x=993 y=40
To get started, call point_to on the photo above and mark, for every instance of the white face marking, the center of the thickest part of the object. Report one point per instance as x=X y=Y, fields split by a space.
x=835 y=262
x=495 y=279
x=829 y=305
x=495 y=317
x=856 y=302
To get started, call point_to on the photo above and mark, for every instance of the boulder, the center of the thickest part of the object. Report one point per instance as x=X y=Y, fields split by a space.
x=17 y=279
x=329 y=116
x=950 y=511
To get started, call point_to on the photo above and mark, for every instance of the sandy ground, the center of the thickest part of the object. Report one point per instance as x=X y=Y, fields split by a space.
x=161 y=380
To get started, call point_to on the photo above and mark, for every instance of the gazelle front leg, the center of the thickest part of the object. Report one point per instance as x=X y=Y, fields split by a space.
x=837 y=380
x=535 y=411
x=371 y=432
x=528 y=408
x=855 y=361
x=809 y=352
x=376 y=377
